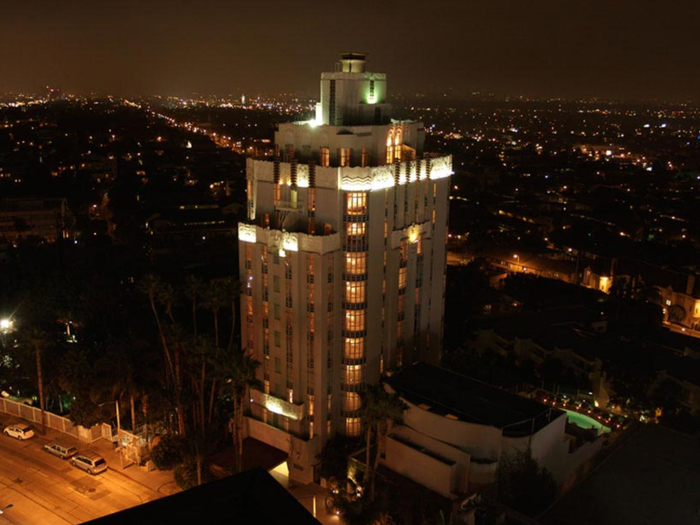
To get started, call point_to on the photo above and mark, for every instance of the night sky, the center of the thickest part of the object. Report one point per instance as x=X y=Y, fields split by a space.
x=622 y=49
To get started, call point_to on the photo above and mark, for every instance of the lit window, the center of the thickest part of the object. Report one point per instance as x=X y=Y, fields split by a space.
x=352 y=426
x=357 y=203
x=344 y=156
x=354 y=348
x=364 y=162
x=354 y=374
x=354 y=320
x=355 y=292
x=356 y=228
x=390 y=148
x=351 y=401
x=397 y=144
x=402 y=278
x=356 y=263
x=325 y=157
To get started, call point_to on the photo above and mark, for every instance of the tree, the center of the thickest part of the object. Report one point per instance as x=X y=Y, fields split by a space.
x=37 y=340
x=234 y=290
x=194 y=290
x=522 y=484
x=379 y=408
x=237 y=373
x=215 y=298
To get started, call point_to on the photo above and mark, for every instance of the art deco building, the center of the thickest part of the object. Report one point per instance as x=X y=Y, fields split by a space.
x=343 y=260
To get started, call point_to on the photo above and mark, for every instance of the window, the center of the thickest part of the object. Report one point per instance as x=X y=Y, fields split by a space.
x=364 y=161
x=354 y=348
x=277 y=311
x=310 y=404
x=352 y=426
x=354 y=374
x=325 y=157
x=402 y=278
x=278 y=367
x=277 y=339
x=403 y=250
x=355 y=292
x=390 y=147
x=356 y=263
x=397 y=145
x=311 y=269
x=276 y=283
x=357 y=203
x=351 y=401
x=354 y=320
x=344 y=156
x=356 y=228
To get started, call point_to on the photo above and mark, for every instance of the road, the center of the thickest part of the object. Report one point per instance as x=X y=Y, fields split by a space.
x=45 y=489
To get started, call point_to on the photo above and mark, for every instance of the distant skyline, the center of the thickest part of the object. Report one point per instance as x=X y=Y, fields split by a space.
x=624 y=50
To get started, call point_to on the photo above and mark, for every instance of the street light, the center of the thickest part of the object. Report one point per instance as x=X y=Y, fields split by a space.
x=6 y=325
x=2 y=511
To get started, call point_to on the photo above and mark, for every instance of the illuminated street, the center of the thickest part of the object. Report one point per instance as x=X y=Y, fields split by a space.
x=45 y=489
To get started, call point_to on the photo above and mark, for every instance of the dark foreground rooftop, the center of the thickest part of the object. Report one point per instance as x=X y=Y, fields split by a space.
x=450 y=394
x=249 y=498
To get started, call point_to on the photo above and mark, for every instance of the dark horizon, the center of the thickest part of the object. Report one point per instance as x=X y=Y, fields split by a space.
x=631 y=51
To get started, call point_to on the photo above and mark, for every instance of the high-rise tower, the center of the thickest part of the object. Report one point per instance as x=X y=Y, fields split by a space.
x=342 y=258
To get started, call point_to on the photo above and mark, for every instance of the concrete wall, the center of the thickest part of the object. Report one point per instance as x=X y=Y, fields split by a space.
x=61 y=424
x=460 y=474
x=480 y=441
x=548 y=446
x=421 y=468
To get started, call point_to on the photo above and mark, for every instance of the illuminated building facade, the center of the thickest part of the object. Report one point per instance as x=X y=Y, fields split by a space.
x=342 y=258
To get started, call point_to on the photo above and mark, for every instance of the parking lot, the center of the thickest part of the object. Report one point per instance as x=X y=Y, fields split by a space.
x=43 y=488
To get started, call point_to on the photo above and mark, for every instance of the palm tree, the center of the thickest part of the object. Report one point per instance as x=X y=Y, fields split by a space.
x=38 y=341
x=237 y=371
x=379 y=409
x=215 y=298
x=234 y=289
x=194 y=289
x=152 y=286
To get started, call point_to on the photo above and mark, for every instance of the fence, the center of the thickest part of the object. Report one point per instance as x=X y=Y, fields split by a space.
x=61 y=424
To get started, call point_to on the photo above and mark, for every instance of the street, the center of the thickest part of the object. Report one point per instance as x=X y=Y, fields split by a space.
x=45 y=489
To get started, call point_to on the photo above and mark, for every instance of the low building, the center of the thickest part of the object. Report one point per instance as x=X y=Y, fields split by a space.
x=48 y=219
x=457 y=429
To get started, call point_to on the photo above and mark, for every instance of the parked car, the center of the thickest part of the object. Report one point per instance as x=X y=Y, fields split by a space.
x=20 y=431
x=90 y=462
x=24 y=400
x=62 y=451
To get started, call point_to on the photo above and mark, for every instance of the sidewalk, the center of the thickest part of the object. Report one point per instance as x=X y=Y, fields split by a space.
x=159 y=481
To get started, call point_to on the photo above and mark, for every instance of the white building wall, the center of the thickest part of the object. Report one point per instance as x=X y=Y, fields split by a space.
x=294 y=220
